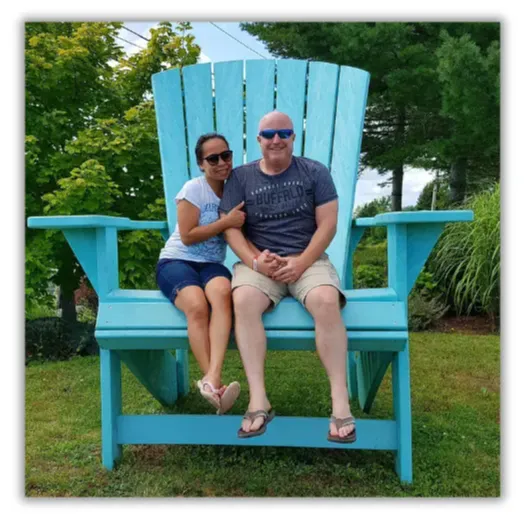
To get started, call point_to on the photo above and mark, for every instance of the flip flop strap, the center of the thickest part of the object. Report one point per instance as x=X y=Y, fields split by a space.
x=342 y=422
x=252 y=415
x=213 y=389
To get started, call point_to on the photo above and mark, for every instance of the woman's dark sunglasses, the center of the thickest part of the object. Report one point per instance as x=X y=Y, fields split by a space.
x=270 y=133
x=226 y=156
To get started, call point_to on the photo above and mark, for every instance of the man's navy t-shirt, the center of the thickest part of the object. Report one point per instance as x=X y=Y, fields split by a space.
x=280 y=208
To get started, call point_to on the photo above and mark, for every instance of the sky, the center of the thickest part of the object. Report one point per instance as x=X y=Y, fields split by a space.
x=217 y=46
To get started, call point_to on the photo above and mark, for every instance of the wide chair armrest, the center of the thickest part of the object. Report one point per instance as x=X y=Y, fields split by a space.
x=93 y=239
x=411 y=237
x=93 y=222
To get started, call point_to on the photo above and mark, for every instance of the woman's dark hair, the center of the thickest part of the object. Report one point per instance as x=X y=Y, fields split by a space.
x=203 y=139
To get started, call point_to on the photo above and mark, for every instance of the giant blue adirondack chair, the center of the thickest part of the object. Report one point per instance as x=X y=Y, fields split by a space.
x=327 y=105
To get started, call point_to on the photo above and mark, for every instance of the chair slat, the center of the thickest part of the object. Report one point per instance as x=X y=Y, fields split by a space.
x=229 y=106
x=320 y=111
x=291 y=90
x=351 y=106
x=198 y=104
x=172 y=138
x=260 y=90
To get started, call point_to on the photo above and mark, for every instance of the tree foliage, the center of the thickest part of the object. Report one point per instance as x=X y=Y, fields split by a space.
x=91 y=141
x=430 y=82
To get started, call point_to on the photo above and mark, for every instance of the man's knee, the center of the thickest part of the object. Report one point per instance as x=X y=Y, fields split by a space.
x=323 y=301
x=249 y=301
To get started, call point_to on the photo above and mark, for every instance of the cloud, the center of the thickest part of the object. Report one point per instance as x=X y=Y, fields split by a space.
x=203 y=58
x=368 y=189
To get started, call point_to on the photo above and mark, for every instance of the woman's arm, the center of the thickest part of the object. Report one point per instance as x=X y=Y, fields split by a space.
x=190 y=230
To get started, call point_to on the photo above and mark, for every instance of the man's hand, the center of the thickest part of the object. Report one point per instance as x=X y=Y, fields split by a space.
x=268 y=262
x=293 y=268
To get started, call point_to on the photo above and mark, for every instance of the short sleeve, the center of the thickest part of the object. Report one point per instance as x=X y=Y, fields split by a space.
x=191 y=191
x=324 y=187
x=233 y=193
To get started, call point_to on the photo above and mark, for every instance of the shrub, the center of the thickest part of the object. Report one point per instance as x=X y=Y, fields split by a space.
x=467 y=257
x=53 y=338
x=369 y=210
x=424 y=311
x=370 y=276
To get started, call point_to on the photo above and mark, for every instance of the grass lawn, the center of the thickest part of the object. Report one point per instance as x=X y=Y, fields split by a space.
x=456 y=432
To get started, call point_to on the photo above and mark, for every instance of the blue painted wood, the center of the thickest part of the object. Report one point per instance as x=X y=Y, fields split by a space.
x=183 y=371
x=421 y=239
x=111 y=404
x=351 y=375
x=320 y=111
x=356 y=233
x=167 y=94
x=397 y=250
x=363 y=294
x=82 y=243
x=289 y=315
x=349 y=121
x=77 y=221
x=229 y=105
x=402 y=414
x=198 y=105
x=384 y=341
x=157 y=372
x=281 y=432
x=370 y=373
x=424 y=217
x=291 y=93
x=364 y=222
x=107 y=260
x=260 y=92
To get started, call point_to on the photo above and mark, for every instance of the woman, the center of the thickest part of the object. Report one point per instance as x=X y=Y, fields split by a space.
x=190 y=271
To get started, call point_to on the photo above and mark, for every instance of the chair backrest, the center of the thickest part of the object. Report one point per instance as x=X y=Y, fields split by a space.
x=326 y=103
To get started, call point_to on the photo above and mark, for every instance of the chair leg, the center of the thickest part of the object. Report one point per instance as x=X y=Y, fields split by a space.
x=111 y=393
x=351 y=375
x=402 y=414
x=183 y=372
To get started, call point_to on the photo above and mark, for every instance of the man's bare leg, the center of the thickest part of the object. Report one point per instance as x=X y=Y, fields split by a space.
x=249 y=304
x=330 y=337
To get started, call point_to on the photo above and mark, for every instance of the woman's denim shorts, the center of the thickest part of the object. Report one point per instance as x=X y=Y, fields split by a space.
x=175 y=274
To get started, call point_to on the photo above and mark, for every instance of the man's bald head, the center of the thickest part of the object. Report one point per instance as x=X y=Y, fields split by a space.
x=275 y=120
x=277 y=152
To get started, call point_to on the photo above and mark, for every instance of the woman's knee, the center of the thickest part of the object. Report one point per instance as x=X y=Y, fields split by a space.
x=193 y=304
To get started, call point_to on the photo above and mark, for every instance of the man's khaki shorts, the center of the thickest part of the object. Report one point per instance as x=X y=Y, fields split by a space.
x=322 y=272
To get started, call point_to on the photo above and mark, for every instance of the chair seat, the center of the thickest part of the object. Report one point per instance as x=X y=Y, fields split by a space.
x=149 y=310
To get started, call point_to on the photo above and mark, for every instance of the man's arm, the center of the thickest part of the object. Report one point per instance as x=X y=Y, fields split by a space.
x=246 y=251
x=326 y=219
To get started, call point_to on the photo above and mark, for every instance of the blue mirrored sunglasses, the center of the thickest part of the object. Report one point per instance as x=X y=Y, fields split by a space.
x=270 y=133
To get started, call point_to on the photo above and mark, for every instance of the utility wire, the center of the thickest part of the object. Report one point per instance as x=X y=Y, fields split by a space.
x=129 y=42
x=136 y=33
x=233 y=37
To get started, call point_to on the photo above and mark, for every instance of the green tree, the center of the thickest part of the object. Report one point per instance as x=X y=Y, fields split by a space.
x=91 y=144
x=469 y=77
x=405 y=99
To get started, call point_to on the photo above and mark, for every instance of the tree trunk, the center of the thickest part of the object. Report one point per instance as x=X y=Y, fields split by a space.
x=67 y=304
x=458 y=180
x=397 y=172
x=397 y=188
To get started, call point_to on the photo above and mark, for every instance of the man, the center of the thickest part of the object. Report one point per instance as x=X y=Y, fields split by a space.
x=291 y=206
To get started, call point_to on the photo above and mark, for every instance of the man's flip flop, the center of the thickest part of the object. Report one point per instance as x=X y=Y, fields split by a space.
x=229 y=397
x=211 y=397
x=339 y=423
x=251 y=416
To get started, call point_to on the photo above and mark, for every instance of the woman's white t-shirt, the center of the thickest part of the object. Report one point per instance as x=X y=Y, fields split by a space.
x=199 y=193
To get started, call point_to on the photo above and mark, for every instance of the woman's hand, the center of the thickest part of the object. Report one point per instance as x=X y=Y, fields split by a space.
x=236 y=217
